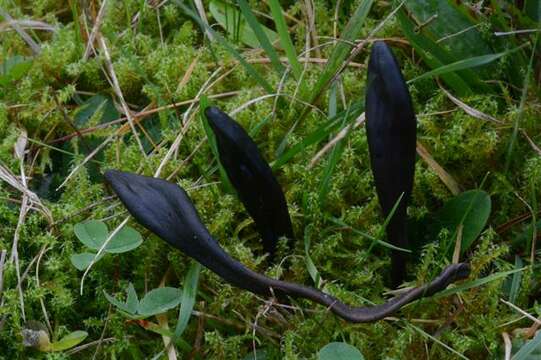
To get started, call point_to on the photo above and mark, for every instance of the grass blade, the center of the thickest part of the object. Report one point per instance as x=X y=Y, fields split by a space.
x=285 y=40
x=333 y=158
x=466 y=64
x=249 y=68
x=203 y=104
x=523 y=99
x=189 y=292
x=342 y=49
x=310 y=266
x=321 y=133
x=368 y=236
x=476 y=283
x=261 y=36
x=528 y=348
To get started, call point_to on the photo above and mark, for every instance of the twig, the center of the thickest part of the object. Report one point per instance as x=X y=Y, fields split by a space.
x=94 y=32
x=342 y=134
x=36 y=49
x=444 y=176
x=118 y=91
x=508 y=345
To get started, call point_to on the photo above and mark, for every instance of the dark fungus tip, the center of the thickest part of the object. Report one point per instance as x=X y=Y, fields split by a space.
x=252 y=177
x=391 y=134
x=165 y=209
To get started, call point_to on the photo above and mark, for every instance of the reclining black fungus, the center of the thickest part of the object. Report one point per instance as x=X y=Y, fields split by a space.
x=252 y=178
x=391 y=135
x=166 y=210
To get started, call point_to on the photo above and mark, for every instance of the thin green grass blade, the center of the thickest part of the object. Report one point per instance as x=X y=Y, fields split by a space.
x=261 y=36
x=433 y=55
x=247 y=67
x=515 y=281
x=368 y=236
x=335 y=155
x=189 y=292
x=528 y=348
x=285 y=39
x=523 y=99
x=342 y=49
x=203 y=104
x=437 y=341
x=476 y=283
x=321 y=133
x=466 y=64
x=310 y=266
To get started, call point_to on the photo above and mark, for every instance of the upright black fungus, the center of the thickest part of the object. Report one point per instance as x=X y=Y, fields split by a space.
x=391 y=134
x=166 y=210
x=252 y=178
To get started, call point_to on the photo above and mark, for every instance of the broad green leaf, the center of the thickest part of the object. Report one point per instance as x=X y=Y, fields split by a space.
x=189 y=292
x=92 y=233
x=96 y=105
x=119 y=304
x=470 y=209
x=533 y=9
x=285 y=39
x=159 y=300
x=69 y=341
x=126 y=239
x=260 y=354
x=82 y=261
x=230 y=19
x=339 y=351
x=14 y=68
x=132 y=302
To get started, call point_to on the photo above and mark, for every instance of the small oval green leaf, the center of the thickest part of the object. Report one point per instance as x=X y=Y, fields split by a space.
x=92 y=233
x=339 y=351
x=470 y=209
x=82 y=261
x=69 y=341
x=125 y=240
x=159 y=300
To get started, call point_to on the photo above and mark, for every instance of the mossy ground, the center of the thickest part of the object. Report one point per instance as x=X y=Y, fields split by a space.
x=150 y=59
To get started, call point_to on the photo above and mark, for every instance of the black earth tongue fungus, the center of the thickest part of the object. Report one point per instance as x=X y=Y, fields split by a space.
x=252 y=178
x=391 y=134
x=166 y=210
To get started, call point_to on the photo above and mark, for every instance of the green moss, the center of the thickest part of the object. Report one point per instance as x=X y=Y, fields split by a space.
x=150 y=60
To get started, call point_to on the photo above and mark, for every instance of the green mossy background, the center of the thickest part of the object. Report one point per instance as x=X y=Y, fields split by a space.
x=150 y=59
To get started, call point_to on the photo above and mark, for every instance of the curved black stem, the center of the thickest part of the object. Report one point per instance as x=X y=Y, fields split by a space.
x=252 y=178
x=166 y=210
x=391 y=135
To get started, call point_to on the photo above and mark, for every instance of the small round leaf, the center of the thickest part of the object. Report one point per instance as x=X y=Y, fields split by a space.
x=159 y=300
x=125 y=240
x=92 y=233
x=339 y=351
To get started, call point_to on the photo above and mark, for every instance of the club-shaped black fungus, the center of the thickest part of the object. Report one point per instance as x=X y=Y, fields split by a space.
x=252 y=178
x=166 y=210
x=391 y=134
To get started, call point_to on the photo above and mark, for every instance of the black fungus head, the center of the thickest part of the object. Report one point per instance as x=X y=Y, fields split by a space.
x=391 y=135
x=161 y=206
x=235 y=145
x=252 y=178
x=385 y=81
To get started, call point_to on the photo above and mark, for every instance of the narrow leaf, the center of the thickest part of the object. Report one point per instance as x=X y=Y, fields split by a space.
x=285 y=40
